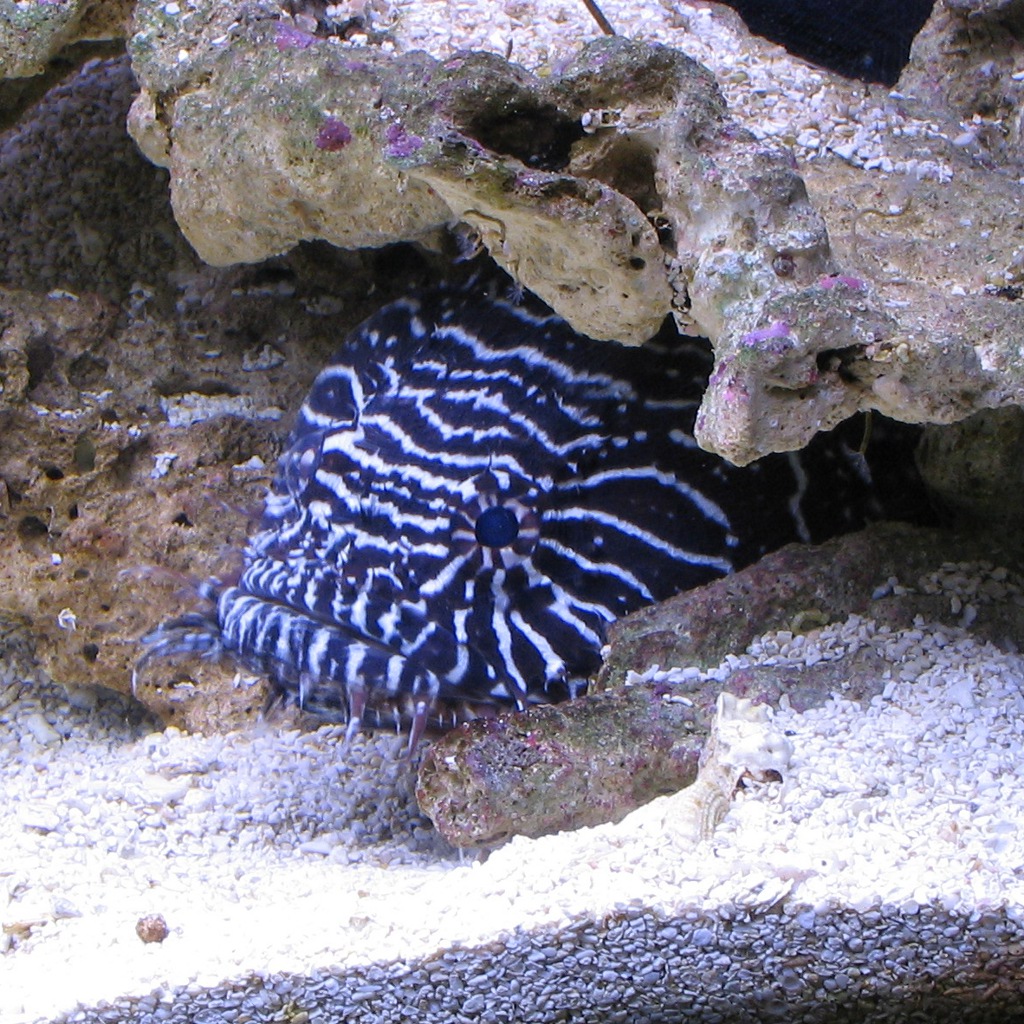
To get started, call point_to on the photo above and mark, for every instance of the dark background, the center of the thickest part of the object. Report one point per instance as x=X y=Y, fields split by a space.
x=866 y=39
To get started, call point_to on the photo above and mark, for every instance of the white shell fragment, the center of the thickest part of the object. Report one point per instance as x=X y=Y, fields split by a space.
x=743 y=744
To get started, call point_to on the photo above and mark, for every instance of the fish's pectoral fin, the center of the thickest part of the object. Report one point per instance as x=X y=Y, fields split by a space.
x=356 y=707
x=417 y=726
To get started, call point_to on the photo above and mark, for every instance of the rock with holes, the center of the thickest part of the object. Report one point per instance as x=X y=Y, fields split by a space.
x=618 y=189
x=370 y=149
x=32 y=33
x=617 y=186
x=140 y=395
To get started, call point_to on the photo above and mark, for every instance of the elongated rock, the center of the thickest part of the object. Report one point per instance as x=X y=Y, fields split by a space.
x=561 y=766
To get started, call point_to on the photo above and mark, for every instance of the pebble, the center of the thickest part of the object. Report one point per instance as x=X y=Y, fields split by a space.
x=40 y=729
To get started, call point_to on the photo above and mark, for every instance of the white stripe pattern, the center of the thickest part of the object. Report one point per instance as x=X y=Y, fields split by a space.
x=382 y=583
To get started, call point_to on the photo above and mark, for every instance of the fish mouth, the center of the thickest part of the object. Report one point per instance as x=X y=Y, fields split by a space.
x=332 y=669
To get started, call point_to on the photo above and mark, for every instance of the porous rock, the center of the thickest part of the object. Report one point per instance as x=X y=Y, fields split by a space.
x=272 y=146
x=139 y=470
x=31 y=34
x=923 y=205
x=965 y=64
x=98 y=547
x=143 y=399
x=617 y=187
x=375 y=149
x=84 y=518
x=565 y=179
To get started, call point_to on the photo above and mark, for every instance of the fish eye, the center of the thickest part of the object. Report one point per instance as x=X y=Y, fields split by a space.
x=496 y=527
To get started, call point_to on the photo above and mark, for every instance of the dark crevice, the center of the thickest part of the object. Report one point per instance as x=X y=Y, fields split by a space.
x=88 y=372
x=540 y=136
x=122 y=466
x=85 y=454
x=32 y=526
x=627 y=165
x=39 y=358
x=179 y=384
x=841 y=361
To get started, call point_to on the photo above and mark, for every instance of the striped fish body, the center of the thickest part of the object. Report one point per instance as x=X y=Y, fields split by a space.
x=473 y=492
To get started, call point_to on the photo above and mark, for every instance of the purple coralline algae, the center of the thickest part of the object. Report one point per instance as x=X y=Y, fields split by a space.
x=289 y=38
x=774 y=333
x=400 y=144
x=333 y=135
x=853 y=283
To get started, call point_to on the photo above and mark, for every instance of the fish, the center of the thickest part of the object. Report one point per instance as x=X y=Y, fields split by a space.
x=473 y=491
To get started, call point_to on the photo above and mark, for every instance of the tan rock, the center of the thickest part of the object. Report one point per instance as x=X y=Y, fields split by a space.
x=32 y=33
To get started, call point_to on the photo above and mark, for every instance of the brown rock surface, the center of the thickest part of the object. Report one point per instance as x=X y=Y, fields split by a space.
x=140 y=464
x=560 y=766
x=135 y=396
x=83 y=518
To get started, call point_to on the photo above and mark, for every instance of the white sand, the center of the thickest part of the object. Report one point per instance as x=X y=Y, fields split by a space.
x=892 y=851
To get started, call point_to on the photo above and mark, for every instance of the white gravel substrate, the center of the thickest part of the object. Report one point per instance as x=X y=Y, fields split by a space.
x=300 y=884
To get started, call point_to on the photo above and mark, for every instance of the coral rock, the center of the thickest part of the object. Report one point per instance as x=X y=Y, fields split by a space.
x=566 y=180
x=32 y=33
